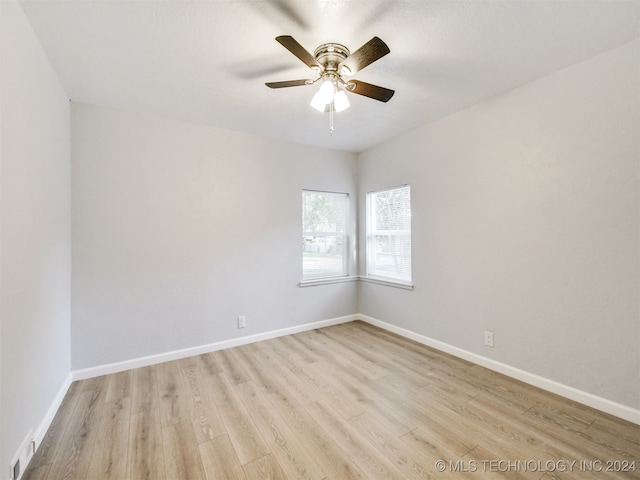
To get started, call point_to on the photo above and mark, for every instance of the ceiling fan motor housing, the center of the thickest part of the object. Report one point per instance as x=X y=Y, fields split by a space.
x=330 y=55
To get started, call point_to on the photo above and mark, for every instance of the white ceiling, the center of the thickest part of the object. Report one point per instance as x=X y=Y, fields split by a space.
x=207 y=61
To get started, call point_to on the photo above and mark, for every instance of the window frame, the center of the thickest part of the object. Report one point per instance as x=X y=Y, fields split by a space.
x=319 y=278
x=371 y=274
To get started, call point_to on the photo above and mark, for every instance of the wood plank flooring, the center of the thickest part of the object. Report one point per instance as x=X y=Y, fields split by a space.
x=345 y=402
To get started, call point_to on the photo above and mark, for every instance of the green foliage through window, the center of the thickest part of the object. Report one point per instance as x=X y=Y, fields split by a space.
x=324 y=220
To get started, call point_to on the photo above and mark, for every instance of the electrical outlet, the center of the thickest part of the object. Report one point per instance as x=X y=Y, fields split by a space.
x=242 y=321
x=488 y=338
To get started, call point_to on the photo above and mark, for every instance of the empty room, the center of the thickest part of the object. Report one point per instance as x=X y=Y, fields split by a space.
x=319 y=239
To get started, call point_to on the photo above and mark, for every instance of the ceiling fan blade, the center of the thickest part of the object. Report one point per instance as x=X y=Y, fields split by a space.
x=291 y=44
x=371 y=51
x=288 y=83
x=289 y=9
x=368 y=90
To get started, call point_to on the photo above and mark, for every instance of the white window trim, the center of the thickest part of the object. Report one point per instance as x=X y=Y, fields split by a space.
x=350 y=278
x=389 y=282
x=372 y=278
x=327 y=280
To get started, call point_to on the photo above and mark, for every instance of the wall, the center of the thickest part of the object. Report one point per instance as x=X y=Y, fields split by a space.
x=526 y=223
x=178 y=229
x=35 y=235
x=525 y=216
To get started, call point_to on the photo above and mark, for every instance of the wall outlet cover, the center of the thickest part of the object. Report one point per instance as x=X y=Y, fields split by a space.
x=488 y=338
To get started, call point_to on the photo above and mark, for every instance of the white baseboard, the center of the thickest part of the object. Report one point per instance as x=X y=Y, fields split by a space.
x=594 y=401
x=41 y=431
x=36 y=437
x=211 y=347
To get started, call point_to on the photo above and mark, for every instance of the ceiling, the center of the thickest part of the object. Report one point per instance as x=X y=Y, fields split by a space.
x=207 y=61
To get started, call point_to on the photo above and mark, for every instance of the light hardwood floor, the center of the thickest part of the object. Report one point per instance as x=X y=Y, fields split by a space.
x=347 y=401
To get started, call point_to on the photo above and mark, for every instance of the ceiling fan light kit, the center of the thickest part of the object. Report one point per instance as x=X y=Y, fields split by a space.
x=331 y=92
x=331 y=62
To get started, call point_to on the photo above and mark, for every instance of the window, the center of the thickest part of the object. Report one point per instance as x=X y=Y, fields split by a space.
x=389 y=234
x=324 y=239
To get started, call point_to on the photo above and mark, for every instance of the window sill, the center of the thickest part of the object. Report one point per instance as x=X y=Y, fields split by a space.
x=327 y=281
x=388 y=282
x=351 y=278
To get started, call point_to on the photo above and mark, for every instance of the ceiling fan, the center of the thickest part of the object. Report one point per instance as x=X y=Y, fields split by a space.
x=331 y=62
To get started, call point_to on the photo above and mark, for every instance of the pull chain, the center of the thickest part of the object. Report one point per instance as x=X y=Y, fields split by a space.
x=331 y=118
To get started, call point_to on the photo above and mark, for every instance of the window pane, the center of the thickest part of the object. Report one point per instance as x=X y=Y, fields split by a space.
x=389 y=234
x=392 y=209
x=392 y=256
x=323 y=233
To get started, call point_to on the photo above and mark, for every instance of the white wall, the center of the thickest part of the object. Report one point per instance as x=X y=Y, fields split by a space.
x=35 y=239
x=526 y=223
x=179 y=228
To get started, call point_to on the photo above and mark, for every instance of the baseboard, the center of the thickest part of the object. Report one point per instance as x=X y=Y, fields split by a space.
x=41 y=431
x=594 y=401
x=199 y=350
x=35 y=438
